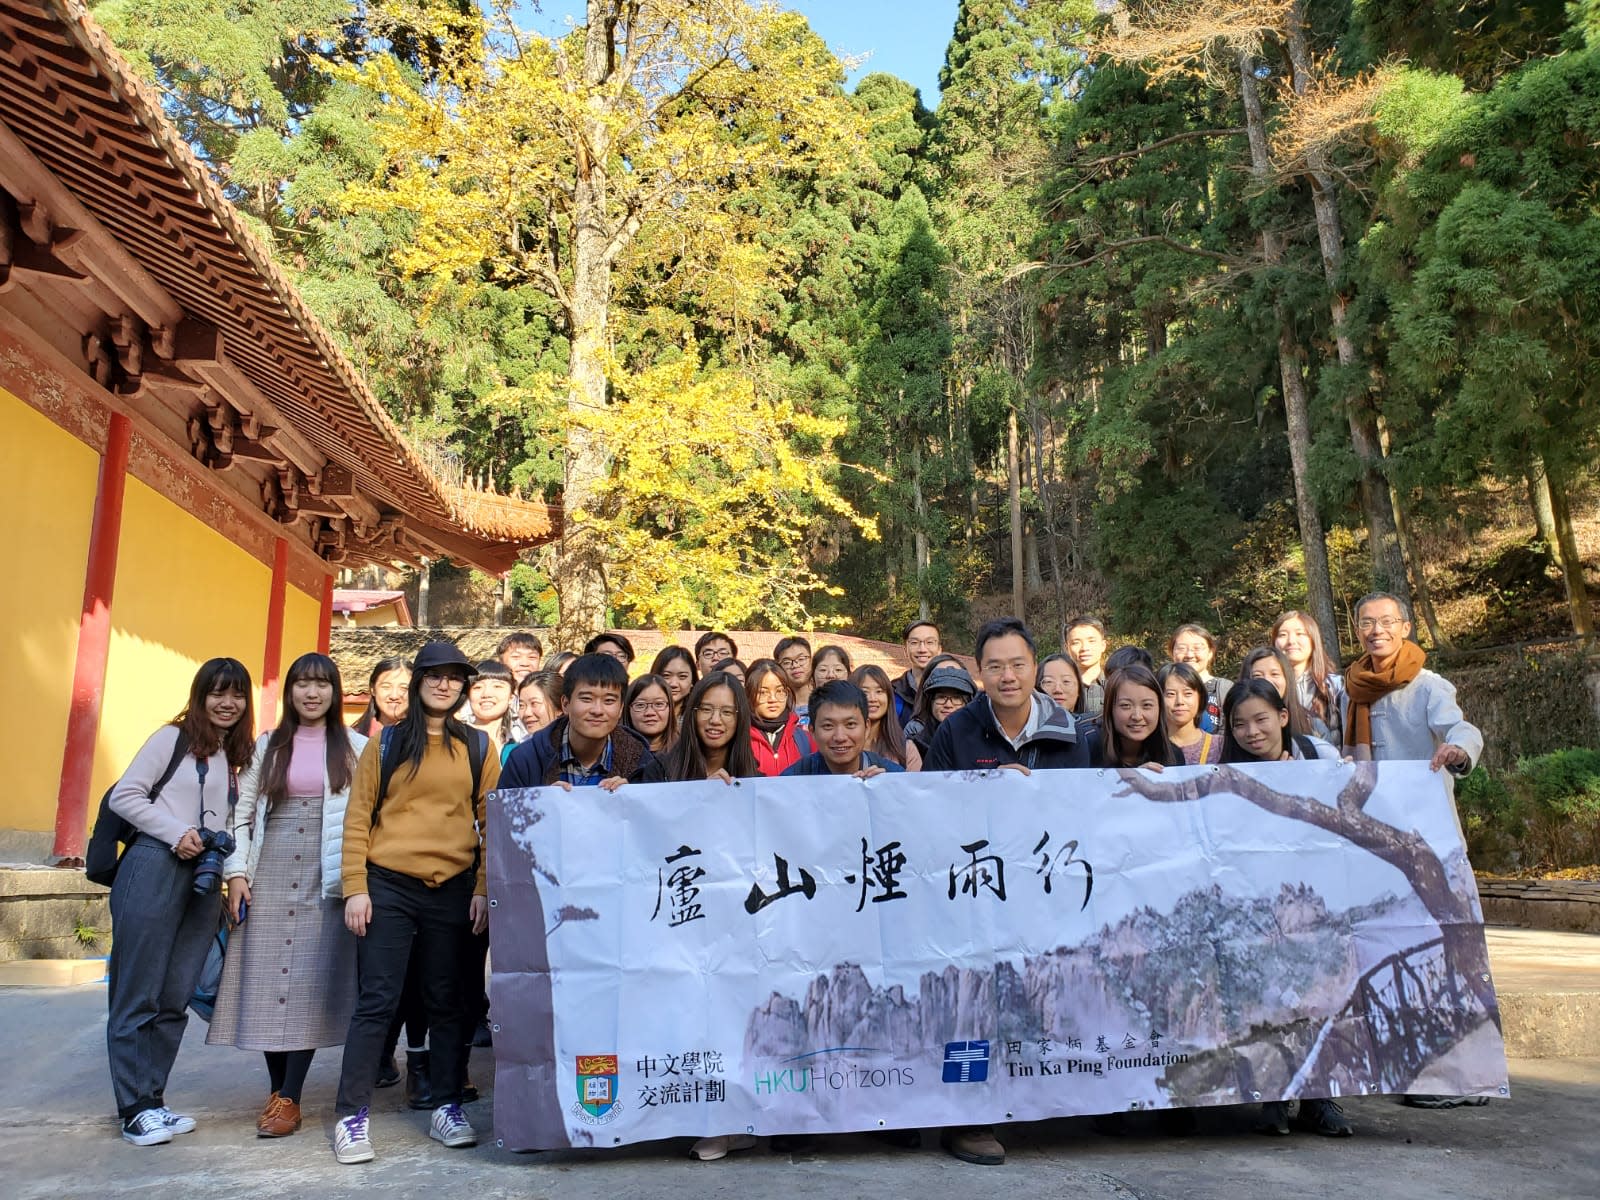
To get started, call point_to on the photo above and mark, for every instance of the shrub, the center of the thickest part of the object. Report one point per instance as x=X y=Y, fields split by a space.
x=1545 y=812
x=1564 y=785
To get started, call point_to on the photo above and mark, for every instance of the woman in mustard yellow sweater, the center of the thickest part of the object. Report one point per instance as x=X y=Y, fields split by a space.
x=413 y=878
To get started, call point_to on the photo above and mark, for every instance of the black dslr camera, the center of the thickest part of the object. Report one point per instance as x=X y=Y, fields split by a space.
x=218 y=844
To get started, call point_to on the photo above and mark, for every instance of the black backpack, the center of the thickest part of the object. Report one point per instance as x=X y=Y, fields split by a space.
x=102 y=856
x=477 y=750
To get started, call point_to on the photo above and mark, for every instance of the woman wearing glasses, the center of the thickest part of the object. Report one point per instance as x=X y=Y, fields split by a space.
x=647 y=709
x=715 y=744
x=776 y=736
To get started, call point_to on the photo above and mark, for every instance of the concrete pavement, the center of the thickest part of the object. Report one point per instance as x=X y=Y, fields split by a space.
x=58 y=1138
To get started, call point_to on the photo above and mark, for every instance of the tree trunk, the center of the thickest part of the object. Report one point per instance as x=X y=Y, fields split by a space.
x=580 y=567
x=920 y=507
x=1014 y=491
x=1413 y=557
x=1319 y=583
x=1052 y=538
x=423 y=574
x=1568 y=556
x=1388 y=562
x=1539 y=500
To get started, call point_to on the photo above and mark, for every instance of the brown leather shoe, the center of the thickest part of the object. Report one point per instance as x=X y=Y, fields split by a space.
x=975 y=1145
x=279 y=1118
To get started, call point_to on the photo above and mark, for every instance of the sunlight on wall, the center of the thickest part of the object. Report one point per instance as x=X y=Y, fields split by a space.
x=47 y=487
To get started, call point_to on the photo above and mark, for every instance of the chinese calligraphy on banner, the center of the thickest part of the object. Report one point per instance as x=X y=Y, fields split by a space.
x=811 y=955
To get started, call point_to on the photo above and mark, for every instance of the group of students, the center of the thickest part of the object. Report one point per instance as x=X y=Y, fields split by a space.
x=356 y=882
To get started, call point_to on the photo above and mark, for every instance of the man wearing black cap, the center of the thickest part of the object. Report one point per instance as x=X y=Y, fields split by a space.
x=413 y=886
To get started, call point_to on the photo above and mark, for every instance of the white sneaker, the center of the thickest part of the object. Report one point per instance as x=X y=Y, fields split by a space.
x=451 y=1127
x=177 y=1122
x=712 y=1148
x=146 y=1129
x=351 y=1141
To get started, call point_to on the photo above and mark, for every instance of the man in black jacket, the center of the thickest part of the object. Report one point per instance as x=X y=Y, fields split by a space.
x=588 y=744
x=1011 y=724
x=1015 y=726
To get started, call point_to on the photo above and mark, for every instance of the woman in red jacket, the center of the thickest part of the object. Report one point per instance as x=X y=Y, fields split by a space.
x=776 y=735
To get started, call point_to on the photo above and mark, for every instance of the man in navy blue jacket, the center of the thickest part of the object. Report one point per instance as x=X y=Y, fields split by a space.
x=587 y=745
x=1012 y=724
x=839 y=727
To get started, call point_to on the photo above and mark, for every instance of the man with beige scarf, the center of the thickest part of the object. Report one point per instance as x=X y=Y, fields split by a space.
x=1396 y=709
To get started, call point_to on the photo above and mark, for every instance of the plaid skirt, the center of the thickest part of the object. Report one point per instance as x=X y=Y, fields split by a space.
x=289 y=978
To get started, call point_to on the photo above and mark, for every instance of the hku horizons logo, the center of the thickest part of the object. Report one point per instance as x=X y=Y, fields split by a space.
x=817 y=1070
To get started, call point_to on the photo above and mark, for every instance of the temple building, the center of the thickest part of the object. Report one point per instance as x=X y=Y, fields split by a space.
x=186 y=456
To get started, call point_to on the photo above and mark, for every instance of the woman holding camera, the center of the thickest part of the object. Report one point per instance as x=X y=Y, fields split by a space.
x=289 y=980
x=164 y=912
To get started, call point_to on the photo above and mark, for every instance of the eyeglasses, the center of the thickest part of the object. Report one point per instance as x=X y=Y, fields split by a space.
x=725 y=714
x=441 y=678
x=649 y=706
x=1368 y=624
x=794 y=662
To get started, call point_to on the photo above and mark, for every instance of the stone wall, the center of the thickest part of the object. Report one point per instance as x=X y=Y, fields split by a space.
x=42 y=910
x=1528 y=700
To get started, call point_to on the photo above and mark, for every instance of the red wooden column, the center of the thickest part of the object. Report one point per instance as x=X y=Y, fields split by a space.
x=94 y=644
x=272 y=656
x=325 y=628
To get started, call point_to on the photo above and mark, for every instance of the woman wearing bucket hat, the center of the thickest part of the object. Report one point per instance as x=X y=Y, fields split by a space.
x=414 y=885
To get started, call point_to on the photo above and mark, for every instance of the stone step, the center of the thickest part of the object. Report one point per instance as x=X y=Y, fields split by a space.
x=1549 y=989
x=52 y=972
x=48 y=912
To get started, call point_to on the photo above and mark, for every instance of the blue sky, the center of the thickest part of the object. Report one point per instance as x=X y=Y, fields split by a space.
x=903 y=37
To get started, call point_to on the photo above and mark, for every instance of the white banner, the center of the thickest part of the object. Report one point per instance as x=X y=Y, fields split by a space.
x=809 y=955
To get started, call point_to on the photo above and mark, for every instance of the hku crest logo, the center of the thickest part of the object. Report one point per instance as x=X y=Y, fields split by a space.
x=597 y=1089
x=966 y=1062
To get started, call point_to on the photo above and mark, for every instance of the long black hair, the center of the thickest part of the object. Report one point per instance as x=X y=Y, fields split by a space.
x=687 y=758
x=341 y=757
x=1298 y=722
x=411 y=731
x=239 y=741
x=1253 y=689
x=1157 y=746
x=364 y=724
x=891 y=739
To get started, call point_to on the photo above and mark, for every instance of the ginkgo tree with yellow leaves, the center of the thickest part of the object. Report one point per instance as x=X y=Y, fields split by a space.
x=732 y=491
x=613 y=160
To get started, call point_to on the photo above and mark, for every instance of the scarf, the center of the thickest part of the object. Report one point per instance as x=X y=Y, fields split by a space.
x=770 y=727
x=1367 y=684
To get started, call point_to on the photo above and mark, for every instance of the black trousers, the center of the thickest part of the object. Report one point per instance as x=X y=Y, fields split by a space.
x=410 y=920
